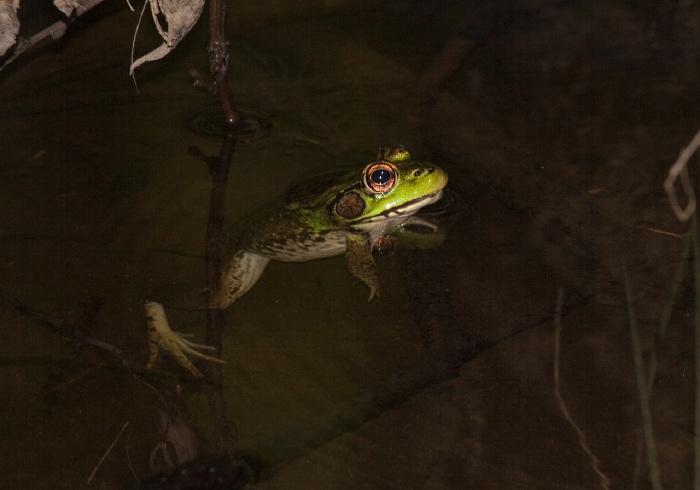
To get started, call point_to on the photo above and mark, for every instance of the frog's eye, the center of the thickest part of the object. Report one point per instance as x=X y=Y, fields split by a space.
x=379 y=177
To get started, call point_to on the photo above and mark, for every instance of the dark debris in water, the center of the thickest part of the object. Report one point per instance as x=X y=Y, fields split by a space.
x=204 y=474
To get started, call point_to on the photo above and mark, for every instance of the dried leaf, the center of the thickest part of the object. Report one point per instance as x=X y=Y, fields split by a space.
x=9 y=24
x=75 y=7
x=181 y=16
x=67 y=6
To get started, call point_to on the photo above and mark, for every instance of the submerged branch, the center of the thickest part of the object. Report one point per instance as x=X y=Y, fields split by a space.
x=226 y=431
x=74 y=326
x=603 y=480
x=214 y=242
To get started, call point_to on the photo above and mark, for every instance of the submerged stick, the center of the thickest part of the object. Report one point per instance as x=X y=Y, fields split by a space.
x=563 y=407
x=109 y=449
x=696 y=321
x=226 y=432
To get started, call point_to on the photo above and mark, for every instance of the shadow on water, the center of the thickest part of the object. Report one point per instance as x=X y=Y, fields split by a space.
x=442 y=382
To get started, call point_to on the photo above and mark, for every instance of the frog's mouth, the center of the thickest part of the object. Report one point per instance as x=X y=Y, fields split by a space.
x=407 y=209
x=413 y=206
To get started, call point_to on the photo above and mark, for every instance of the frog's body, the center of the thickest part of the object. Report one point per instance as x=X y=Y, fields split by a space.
x=332 y=215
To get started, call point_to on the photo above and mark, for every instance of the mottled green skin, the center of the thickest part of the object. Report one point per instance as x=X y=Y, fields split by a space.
x=312 y=222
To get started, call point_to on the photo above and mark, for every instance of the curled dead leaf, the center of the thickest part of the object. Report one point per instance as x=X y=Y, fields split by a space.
x=180 y=16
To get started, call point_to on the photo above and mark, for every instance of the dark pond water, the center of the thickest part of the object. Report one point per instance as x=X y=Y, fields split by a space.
x=443 y=382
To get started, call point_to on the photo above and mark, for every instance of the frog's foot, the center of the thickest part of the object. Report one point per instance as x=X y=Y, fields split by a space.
x=161 y=336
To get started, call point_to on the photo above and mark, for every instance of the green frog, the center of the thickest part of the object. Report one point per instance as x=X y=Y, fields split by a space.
x=340 y=213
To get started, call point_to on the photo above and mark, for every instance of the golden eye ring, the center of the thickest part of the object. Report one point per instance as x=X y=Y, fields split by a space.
x=379 y=177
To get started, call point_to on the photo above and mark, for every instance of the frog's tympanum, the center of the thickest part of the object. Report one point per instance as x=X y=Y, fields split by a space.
x=348 y=212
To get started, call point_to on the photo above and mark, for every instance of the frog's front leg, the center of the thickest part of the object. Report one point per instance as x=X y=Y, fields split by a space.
x=360 y=262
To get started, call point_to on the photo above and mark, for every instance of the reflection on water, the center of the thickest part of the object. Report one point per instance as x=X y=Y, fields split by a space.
x=442 y=382
x=212 y=123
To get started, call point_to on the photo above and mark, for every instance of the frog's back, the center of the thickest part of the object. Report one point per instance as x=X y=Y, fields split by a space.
x=318 y=189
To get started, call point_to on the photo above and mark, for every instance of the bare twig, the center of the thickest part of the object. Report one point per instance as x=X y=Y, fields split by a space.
x=200 y=82
x=661 y=232
x=214 y=239
x=595 y=463
x=77 y=377
x=128 y=456
x=218 y=60
x=54 y=31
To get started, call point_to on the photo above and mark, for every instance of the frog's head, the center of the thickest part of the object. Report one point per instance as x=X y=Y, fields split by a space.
x=389 y=190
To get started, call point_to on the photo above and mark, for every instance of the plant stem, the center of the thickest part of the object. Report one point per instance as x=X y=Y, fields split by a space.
x=218 y=60
x=226 y=432
x=644 y=390
x=696 y=270
x=667 y=312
